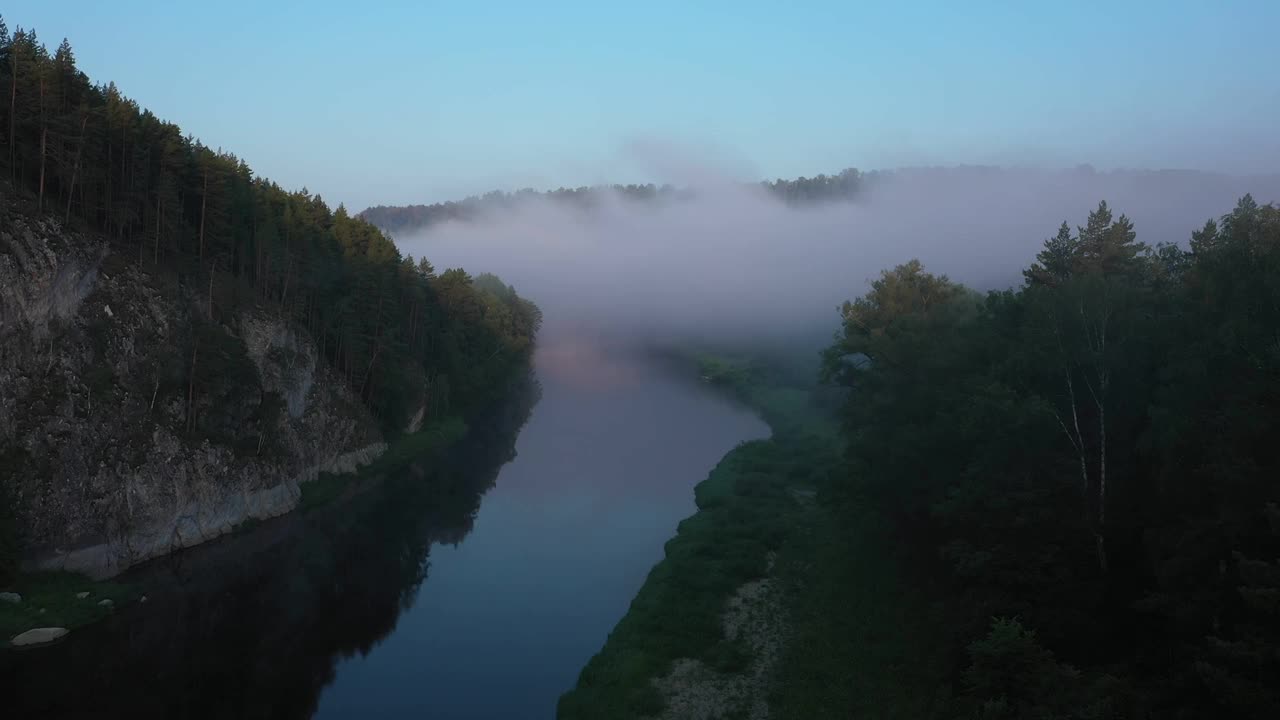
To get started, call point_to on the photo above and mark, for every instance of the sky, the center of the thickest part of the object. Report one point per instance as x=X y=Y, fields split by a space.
x=406 y=102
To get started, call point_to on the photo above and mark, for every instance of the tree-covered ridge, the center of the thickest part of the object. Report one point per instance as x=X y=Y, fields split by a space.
x=398 y=332
x=406 y=218
x=1091 y=460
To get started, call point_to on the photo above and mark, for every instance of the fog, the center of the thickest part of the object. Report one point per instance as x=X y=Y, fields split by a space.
x=733 y=260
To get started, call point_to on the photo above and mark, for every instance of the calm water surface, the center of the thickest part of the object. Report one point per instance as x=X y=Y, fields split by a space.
x=475 y=588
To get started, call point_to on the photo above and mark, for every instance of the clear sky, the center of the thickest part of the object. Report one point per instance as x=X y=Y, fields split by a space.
x=395 y=102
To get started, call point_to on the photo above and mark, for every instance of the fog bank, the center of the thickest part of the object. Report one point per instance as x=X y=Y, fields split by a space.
x=734 y=260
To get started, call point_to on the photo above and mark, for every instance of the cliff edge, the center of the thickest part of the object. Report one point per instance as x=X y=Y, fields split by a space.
x=134 y=422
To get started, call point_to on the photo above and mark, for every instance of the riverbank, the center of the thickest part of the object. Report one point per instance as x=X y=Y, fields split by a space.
x=765 y=604
x=59 y=599
x=70 y=600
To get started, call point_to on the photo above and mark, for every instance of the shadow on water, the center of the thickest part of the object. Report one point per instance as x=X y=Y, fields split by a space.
x=252 y=625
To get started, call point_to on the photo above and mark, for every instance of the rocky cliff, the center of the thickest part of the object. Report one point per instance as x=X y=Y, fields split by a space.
x=136 y=420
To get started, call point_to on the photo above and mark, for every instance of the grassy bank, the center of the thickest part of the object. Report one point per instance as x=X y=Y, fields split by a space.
x=49 y=599
x=856 y=641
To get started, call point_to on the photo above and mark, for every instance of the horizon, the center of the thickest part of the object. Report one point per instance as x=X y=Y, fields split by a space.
x=573 y=96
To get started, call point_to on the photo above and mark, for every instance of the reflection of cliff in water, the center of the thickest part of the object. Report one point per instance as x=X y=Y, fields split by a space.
x=251 y=625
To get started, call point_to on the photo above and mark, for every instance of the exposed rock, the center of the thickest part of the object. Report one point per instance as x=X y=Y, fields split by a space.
x=286 y=362
x=44 y=274
x=10 y=597
x=96 y=407
x=415 y=423
x=82 y=595
x=106 y=603
x=36 y=636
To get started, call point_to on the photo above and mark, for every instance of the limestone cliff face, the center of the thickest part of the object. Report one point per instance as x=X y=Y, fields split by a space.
x=132 y=424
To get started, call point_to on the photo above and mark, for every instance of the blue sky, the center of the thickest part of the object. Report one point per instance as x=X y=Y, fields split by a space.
x=395 y=102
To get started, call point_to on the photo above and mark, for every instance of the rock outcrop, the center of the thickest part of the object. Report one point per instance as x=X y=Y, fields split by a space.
x=134 y=421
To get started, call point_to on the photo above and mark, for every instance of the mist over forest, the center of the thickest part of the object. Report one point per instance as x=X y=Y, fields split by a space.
x=717 y=257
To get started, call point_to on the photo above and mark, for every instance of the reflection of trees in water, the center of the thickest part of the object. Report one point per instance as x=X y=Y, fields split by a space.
x=251 y=626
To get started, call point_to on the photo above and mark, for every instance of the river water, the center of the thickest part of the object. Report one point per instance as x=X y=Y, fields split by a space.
x=474 y=588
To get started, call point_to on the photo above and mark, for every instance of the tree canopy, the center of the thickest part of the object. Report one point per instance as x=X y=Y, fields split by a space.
x=1089 y=459
x=392 y=327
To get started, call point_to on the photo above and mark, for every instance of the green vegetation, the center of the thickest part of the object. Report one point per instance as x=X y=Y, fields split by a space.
x=1058 y=501
x=864 y=642
x=1090 y=461
x=423 y=445
x=201 y=228
x=55 y=593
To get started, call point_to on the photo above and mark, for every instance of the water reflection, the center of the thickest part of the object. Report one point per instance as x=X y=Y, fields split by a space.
x=606 y=471
x=327 y=613
x=252 y=625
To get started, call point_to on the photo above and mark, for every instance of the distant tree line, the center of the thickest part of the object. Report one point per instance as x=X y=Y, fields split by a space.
x=1091 y=460
x=407 y=218
x=391 y=326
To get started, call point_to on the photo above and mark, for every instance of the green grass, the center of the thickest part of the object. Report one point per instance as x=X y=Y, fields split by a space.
x=424 y=444
x=860 y=644
x=55 y=592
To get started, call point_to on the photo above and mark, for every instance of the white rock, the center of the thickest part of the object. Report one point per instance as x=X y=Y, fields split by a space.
x=143 y=599
x=105 y=603
x=36 y=636
x=10 y=597
x=82 y=595
x=107 y=309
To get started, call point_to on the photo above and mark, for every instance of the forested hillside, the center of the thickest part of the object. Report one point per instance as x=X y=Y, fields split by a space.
x=1084 y=471
x=184 y=343
x=89 y=154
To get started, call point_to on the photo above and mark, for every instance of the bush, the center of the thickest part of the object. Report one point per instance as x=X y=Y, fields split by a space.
x=1013 y=676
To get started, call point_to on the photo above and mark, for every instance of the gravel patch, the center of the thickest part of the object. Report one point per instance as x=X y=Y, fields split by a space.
x=694 y=691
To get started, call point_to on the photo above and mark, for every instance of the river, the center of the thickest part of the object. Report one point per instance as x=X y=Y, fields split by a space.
x=475 y=588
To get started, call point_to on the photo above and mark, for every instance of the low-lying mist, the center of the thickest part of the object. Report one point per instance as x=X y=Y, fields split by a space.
x=731 y=261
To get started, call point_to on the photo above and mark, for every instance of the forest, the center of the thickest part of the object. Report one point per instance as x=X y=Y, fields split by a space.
x=1082 y=472
x=390 y=324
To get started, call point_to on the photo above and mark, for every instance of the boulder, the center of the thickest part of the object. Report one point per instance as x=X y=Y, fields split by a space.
x=36 y=636
x=10 y=597
x=82 y=595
